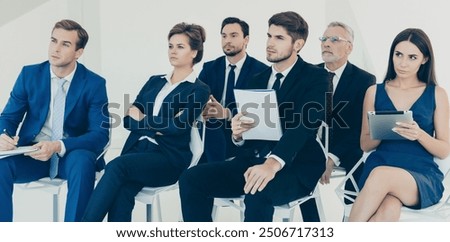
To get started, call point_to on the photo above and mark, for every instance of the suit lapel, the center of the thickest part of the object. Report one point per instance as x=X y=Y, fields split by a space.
x=154 y=87
x=244 y=73
x=220 y=77
x=345 y=83
x=46 y=81
x=261 y=81
x=290 y=80
x=76 y=88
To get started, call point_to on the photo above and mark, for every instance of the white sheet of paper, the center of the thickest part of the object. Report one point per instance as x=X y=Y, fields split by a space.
x=20 y=150
x=262 y=106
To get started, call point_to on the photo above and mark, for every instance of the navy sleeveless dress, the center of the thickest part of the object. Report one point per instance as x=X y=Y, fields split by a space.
x=410 y=155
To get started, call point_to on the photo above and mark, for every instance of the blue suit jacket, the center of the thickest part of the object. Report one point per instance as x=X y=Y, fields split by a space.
x=86 y=118
x=218 y=132
x=171 y=127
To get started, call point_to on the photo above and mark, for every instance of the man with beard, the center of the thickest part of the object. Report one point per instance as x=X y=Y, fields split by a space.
x=222 y=75
x=269 y=173
x=349 y=87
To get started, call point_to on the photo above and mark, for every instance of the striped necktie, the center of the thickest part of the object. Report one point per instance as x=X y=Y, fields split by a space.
x=57 y=123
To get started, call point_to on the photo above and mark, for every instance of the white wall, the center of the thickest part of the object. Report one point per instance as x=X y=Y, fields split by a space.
x=128 y=39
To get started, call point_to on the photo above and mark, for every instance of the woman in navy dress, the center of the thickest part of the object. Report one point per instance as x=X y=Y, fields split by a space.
x=402 y=172
x=160 y=119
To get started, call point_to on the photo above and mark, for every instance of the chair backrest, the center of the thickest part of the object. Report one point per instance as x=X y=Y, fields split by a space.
x=197 y=142
x=323 y=137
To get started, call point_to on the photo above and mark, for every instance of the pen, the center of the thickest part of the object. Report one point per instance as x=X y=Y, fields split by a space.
x=6 y=133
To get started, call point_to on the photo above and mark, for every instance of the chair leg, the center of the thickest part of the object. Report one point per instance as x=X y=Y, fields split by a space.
x=149 y=212
x=214 y=213
x=319 y=206
x=158 y=207
x=55 y=208
x=241 y=212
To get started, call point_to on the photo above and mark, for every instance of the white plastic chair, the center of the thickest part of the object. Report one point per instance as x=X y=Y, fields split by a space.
x=437 y=212
x=151 y=195
x=54 y=186
x=285 y=211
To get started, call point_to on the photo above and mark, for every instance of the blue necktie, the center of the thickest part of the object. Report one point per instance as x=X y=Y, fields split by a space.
x=277 y=83
x=57 y=123
x=229 y=95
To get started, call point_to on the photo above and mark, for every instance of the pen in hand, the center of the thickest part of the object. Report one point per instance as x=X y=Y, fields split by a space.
x=6 y=133
x=9 y=136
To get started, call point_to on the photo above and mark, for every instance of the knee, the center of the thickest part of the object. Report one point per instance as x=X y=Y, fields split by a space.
x=81 y=160
x=186 y=178
x=5 y=167
x=191 y=181
x=388 y=211
x=378 y=174
x=115 y=165
x=5 y=170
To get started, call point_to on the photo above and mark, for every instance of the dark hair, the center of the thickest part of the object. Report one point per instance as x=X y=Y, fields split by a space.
x=418 y=37
x=294 y=24
x=196 y=35
x=232 y=20
x=71 y=25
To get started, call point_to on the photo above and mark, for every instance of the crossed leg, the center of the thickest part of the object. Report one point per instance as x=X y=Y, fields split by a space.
x=386 y=190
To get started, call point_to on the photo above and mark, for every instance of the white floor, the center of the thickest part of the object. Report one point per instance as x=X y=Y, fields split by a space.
x=36 y=206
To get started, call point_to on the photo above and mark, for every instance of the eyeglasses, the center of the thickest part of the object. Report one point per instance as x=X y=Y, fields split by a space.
x=333 y=39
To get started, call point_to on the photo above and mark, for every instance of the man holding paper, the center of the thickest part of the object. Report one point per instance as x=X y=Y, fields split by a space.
x=269 y=173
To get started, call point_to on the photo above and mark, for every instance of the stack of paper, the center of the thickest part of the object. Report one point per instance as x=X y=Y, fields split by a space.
x=260 y=105
x=20 y=150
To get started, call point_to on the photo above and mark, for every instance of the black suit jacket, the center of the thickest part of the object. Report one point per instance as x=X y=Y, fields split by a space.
x=301 y=109
x=218 y=132
x=171 y=127
x=213 y=74
x=348 y=100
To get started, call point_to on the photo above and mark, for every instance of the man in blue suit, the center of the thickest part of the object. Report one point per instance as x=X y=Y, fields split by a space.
x=349 y=87
x=62 y=86
x=222 y=75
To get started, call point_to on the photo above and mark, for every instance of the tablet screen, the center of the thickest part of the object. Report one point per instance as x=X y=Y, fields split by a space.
x=381 y=123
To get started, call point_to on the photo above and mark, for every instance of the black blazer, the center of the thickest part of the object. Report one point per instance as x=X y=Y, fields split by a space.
x=171 y=127
x=300 y=102
x=213 y=74
x=349 y=98
x=218 y=132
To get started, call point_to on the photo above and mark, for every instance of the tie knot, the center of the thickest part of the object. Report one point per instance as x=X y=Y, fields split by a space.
x=277 y=84
x=232 y=66
x=330 y=75
x=61 y=82
x=279 y=75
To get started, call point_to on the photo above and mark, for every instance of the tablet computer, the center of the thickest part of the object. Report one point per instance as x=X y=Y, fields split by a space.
x=382 y=122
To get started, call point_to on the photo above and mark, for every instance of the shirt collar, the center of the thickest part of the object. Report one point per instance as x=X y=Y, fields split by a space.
x=238 y=64
x=285 y=72
x=338 y=72
x=68 y=77
x=190 y=78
